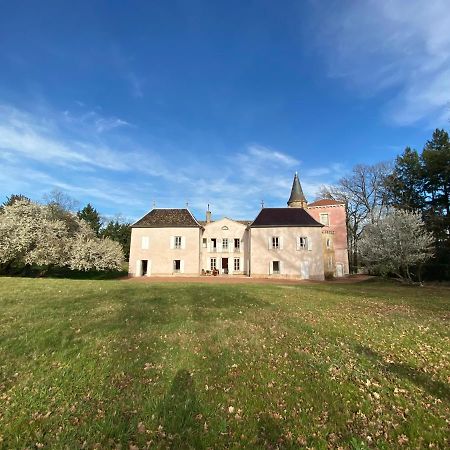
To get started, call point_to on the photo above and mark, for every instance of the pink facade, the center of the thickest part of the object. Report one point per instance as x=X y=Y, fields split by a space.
x=332 y=215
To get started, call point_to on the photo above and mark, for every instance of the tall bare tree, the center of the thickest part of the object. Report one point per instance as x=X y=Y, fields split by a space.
x=364 y=194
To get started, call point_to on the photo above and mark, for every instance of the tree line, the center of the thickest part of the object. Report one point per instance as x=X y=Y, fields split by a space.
x=53 y=234
x=418 y=185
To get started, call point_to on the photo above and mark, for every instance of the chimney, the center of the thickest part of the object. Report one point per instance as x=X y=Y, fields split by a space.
x=208 y=215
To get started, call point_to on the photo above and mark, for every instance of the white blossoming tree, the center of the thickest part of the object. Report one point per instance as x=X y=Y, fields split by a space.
x=31 y=234
x=395 y=244
x=87 y=251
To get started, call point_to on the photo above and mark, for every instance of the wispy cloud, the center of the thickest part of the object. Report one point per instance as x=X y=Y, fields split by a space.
x=136 y=84
x=395 y=46
x=40 y=152
x=37 y=139
x=269 y=155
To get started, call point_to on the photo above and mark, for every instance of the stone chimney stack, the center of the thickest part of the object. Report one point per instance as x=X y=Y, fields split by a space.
x=208 y=215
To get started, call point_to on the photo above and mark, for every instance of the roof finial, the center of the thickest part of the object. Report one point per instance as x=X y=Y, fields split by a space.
x=154 y=204
x=208 y=207
x=262 y=204
x=187 y=204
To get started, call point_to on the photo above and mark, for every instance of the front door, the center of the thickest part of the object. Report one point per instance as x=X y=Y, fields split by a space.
x=304 y=270
x=339 y=270
x=225 y=265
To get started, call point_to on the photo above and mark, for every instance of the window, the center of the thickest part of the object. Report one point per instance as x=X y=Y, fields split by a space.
x=205 y=242
x=237 y=264
x=237 y=245
x=213 y=263
x=275 y=242
x=324 y=219
x=225 y=244
x=330 y=262
x=302 y=243
x=275 y=266
x=145 y=242
x=176 y=265
x=328 y=243
x=213 y=244
x=177 y=241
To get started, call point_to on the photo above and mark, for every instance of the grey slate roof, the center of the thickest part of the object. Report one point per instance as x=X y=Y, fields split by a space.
x=297 y=194
x=167 y=218
x=284 y=217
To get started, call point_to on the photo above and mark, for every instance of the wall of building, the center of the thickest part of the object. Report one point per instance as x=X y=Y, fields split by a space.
x=338 y=225
x=229 y=229
x=159 y=252
x=303 y=263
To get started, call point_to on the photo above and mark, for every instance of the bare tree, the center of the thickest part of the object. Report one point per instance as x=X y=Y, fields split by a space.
x=364 y=194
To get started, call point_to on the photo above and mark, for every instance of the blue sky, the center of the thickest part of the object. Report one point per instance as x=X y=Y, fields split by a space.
x=123 y=104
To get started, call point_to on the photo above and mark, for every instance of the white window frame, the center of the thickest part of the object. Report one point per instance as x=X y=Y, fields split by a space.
x=302 y=242
x=276 y=242
x=325 y=219
x=205 y=242
x=175 y=270
x=225 y=244
x=178 y=242
x=145 y=242
x=213 y=264
x=237 y=264
x=276 y=272
x=237 y=248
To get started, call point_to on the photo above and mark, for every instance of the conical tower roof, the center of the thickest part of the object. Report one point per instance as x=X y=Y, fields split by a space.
x=297 y=197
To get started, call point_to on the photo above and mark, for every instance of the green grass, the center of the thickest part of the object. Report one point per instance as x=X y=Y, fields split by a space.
x=116 y=364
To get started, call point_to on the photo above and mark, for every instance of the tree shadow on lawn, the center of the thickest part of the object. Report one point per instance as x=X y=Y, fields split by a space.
x=65 y=273
x=420 y=379
x=180 y=414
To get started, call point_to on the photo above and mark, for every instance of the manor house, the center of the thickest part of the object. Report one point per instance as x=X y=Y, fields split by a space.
x=305 y=241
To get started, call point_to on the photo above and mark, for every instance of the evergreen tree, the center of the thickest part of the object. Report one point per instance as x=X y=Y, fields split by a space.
x=436 y=167
x=421 y=183
x=406 y=184
x=119 y=232
x=14 y=198
x=92 y=217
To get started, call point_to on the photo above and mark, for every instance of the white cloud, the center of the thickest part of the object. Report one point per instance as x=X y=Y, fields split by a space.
x=268 y=155
x=41 y=140
x=136 y=84
x=41 y=152
x=396 y=45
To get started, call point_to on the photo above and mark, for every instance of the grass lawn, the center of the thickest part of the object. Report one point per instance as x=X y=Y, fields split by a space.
x=116 y=364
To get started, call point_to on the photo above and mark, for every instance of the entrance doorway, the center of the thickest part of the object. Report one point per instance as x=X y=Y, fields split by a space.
x=339 y=270
x=144 y=267
x=225 y=265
